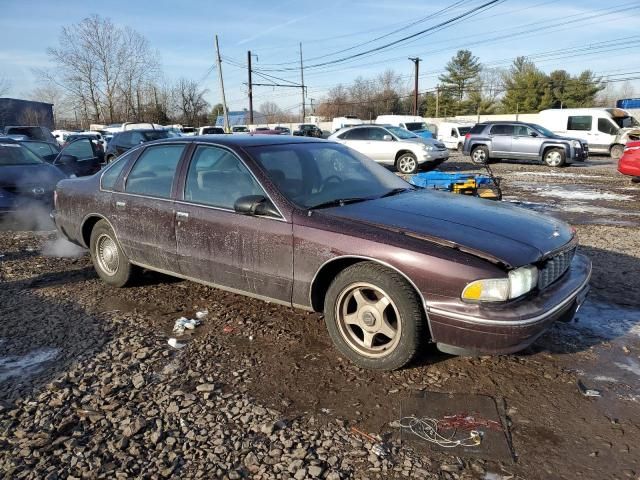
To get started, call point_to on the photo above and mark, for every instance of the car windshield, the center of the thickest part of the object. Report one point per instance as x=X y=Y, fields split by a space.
x=240 y=129
x=155 y=135
x=415 y=126
x=626 y=122
x=401 y=133
x=14 y=154
x=463 y=130
x=542 y=130
x=314 y=174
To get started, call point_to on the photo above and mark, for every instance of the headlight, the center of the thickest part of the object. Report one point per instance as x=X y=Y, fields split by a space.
x=427 y=148
x=519 y=282
x=576 y=144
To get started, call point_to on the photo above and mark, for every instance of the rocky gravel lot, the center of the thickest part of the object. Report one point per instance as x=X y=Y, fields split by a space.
x=89 y=387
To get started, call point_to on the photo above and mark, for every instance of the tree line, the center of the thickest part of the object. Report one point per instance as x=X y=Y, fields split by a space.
x=467 y=87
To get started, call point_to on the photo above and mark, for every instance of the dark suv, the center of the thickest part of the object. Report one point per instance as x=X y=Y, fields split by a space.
x=123 y=141
x=308 y=130
x=522 y=141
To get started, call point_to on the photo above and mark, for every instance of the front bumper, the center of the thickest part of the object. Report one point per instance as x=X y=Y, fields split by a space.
x=435 y=155
x=475 y=329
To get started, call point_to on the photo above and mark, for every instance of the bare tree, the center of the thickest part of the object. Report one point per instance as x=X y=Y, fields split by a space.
x=103 y=68
x=189 y=102
x=272 y=111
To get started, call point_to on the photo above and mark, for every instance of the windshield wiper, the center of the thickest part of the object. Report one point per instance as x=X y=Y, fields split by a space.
x=338 y=202
x=396 y=191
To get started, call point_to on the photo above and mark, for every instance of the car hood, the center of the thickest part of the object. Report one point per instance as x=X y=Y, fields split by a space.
x=41 y=175
x=495 y=231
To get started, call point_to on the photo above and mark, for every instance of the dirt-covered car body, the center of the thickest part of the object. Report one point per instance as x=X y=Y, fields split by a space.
x=288 y=254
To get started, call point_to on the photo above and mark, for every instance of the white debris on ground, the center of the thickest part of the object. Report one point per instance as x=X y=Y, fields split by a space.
x=184 y=323
x=578 y=194
x=23 y=365
x=553 y=174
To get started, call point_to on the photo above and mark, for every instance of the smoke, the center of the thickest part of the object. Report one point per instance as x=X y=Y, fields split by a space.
x=61 y=247
x=35 y=218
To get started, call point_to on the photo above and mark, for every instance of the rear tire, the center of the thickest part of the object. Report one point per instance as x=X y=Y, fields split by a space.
x=554 y=157
x=616 y=151
x=480 y=155
x=407 y=163
x=373 y=317
x=108 y=259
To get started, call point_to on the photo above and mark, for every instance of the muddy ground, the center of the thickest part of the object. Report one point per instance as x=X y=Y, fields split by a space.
x=89 y=387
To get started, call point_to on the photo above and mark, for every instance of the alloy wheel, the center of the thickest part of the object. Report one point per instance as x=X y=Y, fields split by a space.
x=479 y=155
x=554 y=159
x=407 y=164
x=368 y=320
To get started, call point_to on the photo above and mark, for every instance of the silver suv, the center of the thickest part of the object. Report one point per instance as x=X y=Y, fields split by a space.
x=393 y=146
x=522 y=141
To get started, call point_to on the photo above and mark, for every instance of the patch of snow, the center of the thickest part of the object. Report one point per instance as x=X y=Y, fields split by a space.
x=579 y=194
x=603 y=378
x=630 y=366
x=606 y=320
x=20 y=366
x=555 y=174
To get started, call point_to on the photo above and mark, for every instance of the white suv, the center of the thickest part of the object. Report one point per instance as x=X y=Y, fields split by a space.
x=393 y=146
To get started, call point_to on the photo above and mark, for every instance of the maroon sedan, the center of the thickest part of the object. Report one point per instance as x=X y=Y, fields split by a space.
x=312 y=224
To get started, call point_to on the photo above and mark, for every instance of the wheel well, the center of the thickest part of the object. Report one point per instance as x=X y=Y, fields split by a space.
x=402 y=152
x=87 y=227
x=615 y=145
x=476 y=145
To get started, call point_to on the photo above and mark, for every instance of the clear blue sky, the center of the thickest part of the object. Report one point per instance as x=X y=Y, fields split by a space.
x=183 y=33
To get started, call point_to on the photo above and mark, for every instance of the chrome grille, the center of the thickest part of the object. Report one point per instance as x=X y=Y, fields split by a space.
x=554 y=267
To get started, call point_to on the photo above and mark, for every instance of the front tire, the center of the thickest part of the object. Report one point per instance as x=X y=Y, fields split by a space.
x=554 y=157
x=616 y=151
x=407 y=163
x=108 y=259
x=373 y=317
x=480 y=155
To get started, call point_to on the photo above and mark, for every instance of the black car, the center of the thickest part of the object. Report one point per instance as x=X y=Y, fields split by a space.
x=31 y=132
x=25 y=178
x=308 y=130
x=80 y=157
x=123 y=141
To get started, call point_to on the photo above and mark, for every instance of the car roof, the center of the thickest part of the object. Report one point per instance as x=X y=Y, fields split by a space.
x=243 y=140
x=510 y=122
x=143 y=130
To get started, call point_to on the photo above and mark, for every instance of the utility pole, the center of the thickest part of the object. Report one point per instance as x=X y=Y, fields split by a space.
x=416 y=62
x=437 y=100
x=250 y=89
x=302 y=84
x=313 y=111
x=224 y=100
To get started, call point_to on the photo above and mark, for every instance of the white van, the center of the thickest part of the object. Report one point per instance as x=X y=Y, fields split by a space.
x=604 y=129
x=452 y=134
x=346 y=121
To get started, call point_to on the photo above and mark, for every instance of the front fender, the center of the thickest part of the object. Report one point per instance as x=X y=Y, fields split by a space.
x=547 y=145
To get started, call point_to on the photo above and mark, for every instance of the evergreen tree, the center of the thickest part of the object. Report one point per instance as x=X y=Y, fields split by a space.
x=462 y=71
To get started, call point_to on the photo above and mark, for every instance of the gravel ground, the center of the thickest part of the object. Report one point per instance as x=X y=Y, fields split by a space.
x=89 y=387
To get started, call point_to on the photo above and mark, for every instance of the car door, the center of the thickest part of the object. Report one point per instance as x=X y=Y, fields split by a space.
x=525 y=142
x=604 y=135
x=78 y=158
x=580 y=126
x=356 y=138
x=215 y=244
x=144 y=210
x=501 y=137
x=379 y=149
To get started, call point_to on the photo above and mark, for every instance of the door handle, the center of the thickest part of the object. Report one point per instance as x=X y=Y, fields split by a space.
x=120 y=204
x=182 y=215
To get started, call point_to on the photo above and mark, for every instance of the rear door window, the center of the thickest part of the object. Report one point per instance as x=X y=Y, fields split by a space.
x=579 y=122
x=502 y=130
x=375 y=134
x=356 y=134
x=477 y=129
x=154 y=171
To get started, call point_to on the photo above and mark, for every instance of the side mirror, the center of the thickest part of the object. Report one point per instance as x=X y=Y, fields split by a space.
x=533 y=134
x=255 y=205
x=387 y=138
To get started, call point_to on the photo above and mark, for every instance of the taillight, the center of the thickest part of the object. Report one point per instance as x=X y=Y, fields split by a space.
x=55 y=199
x=468 y=135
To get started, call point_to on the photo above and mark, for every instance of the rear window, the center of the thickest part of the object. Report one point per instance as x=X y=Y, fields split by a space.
x=477 y=128
x=110 y=176
x=14 y=154
x=155 y=135
x=581 y=122
x=464 y=130
x=32 y=132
